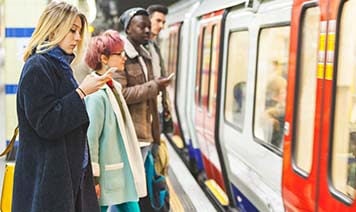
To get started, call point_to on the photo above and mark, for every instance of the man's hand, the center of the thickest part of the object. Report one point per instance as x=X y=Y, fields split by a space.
x=162 y=82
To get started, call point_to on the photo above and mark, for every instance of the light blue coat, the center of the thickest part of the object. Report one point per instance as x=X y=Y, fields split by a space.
x=115 y=152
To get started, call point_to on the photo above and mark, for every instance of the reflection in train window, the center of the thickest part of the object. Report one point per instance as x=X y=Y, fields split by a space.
x=199 y=68
x=206 y=60
x=271 y=85
x=173 y=57
x=213 y=69
x=173 y=64
x=306 y=85
x=173 y=51
x=202 y=80
x=343 y=165
x=236 y=77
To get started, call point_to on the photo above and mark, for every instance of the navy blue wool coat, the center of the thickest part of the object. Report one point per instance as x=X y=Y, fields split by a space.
x=53 y=122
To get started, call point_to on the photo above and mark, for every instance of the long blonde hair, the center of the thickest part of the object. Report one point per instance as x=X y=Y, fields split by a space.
x=55 y=23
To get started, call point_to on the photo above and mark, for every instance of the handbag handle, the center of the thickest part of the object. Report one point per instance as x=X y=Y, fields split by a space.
x=12 y=142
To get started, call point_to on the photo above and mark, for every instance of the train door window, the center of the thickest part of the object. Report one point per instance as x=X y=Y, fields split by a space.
x=236 y=77
x=213 y=69
x=343 y=161
x=205 y=68
x=271 y=85
x=199 y=68
x=306 y=89
x=164 y=44
x=173 y=51
x=200 y=65
x=174 y=40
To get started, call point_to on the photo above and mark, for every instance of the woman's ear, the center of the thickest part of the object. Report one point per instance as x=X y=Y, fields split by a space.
x=104 y=59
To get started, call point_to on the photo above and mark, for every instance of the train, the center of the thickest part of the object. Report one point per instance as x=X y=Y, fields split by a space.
x=264 y=101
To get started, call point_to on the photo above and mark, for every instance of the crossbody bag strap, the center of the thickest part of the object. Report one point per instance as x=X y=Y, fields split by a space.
x=12 y=142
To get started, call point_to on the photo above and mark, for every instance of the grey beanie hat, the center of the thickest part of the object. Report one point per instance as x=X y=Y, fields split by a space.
x=126 y=17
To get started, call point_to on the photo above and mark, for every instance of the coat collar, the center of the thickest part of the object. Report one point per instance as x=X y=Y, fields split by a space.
x=131 y=52
x=64 y=60
x=59 y=54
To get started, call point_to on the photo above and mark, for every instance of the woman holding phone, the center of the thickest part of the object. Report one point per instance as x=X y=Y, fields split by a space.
x=116 y=158
x=53 y=168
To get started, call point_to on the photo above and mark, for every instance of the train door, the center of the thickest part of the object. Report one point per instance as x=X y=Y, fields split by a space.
x=304 y=94
x=337 y=183
x=205 y=97
x=320 y=164
x=234 y=107
x=254 y=75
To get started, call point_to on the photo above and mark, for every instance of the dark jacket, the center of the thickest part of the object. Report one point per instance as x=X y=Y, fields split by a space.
x=49 y=173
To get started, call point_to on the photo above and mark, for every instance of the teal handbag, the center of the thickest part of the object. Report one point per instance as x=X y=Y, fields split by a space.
x=157 y=187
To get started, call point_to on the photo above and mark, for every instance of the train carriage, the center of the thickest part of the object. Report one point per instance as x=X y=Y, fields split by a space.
x=264 y=99
x=320 y=142
x=176 y=48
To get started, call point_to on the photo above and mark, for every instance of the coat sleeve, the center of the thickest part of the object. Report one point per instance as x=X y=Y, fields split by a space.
x=49 y=115
x=137 y=93
x=96 y=111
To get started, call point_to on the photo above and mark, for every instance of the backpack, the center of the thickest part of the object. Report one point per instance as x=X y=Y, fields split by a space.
x=156 y=186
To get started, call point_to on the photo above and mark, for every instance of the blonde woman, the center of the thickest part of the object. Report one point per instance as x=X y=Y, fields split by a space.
x=117 y=162
x=53 y=169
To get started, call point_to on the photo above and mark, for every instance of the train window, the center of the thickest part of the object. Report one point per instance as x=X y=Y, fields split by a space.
x=213 y=69
x=164 y=44
x=236 y=77
x=306 y=89
x=343 y=165
x=173 y=51
x=271 y=85
x=173 y=59
x=199 y=68
x=204 y=66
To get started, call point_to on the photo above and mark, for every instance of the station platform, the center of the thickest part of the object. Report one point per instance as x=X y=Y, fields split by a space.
x=186 y=194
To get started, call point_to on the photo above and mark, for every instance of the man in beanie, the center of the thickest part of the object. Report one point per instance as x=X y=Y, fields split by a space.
x=139 y=86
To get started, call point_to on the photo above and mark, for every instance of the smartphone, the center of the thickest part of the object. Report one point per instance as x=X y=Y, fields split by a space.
x=171 y=76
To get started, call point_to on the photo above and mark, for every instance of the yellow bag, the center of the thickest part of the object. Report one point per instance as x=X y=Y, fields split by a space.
x=162 y=159
x=8 y=184
x=6 y=196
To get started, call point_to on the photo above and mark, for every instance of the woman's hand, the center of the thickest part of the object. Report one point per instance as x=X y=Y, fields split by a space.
x=97 y=190
x=92 y=83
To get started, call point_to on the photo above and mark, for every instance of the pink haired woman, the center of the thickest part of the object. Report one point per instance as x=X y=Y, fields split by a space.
x=116 y=158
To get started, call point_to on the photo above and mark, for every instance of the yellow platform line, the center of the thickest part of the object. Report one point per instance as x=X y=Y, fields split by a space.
x=178 y=141
x=217 y=191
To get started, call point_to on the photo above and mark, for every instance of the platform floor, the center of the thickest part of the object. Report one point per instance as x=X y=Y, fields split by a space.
x=186 y=194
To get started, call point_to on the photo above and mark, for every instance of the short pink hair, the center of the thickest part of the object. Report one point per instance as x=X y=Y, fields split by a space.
x=104 y=44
